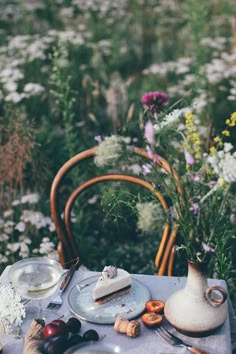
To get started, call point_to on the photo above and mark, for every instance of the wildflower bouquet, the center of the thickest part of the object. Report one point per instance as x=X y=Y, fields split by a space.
x=202 y=174
x=200 y=184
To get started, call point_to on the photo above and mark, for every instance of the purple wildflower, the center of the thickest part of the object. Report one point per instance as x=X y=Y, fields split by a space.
x=146 y=169
x=149 y=152
x=98 y=138
x=154 y=101
x=149 y=133
x=212 y=183
x=207 y=248
x=189 y=158
x=195 y=208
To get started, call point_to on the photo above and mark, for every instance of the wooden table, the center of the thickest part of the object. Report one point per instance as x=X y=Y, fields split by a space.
x=147 y=342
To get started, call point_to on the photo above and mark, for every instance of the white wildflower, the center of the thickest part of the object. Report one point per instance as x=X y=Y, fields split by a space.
x=32 y=198
x=31 y=89
x=13 y=246
x=24 y=250
x=51 y=227
x=4 y=237
x=93 y=199
x=169 y=119
x=10 y=86
x=35 y=218
x=14 y=97
x=8 y=213
x=15 y=202
x=108 y=151
x=20 y=226
x=12 y=311
x=48 y=248
x=223 y=164
x=228 y=147
x=3 y=259
x=135 y=168
x=151 y=216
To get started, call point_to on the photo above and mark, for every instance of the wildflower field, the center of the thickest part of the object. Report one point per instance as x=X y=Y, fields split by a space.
x=72 y=72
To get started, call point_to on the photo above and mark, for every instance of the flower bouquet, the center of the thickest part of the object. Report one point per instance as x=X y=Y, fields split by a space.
x=200 y=185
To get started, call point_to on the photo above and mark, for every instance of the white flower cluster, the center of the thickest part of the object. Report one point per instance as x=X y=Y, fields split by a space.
x=170 y=119
x=108 y=150
x=12 y=311
x=224 y=163
x=150 y=216
x=16 y=227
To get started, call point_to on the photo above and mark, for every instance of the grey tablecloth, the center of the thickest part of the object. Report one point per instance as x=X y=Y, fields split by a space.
x=147 y=342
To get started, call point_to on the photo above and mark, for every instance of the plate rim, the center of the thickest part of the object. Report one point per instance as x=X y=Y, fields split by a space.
x=105 y=322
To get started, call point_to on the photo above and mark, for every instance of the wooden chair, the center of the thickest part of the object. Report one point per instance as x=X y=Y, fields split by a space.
x=67 y=248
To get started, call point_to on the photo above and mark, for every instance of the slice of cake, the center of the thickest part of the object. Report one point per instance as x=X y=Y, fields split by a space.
x=112 y=283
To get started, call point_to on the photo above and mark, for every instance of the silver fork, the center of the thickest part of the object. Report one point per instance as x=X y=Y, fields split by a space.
x=57 y=301
x=176 y=341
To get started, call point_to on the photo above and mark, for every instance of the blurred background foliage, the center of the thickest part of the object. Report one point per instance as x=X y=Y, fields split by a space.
x=71 y=70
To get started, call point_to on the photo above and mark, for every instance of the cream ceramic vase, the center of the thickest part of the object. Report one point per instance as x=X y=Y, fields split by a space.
x=197 y=309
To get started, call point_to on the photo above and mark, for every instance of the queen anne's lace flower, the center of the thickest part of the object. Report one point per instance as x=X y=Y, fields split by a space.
x=108 y=150
x=150 y=216
x=170 y=119
x=223 y=163
x=12 y=311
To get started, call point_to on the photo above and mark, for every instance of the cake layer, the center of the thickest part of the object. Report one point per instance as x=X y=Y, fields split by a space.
x=111 y=280
x=114 y=295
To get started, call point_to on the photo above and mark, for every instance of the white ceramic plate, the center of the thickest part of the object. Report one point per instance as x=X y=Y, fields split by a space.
x=81 y=303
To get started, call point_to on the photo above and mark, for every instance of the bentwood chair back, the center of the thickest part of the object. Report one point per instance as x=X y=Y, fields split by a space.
x=68 y=249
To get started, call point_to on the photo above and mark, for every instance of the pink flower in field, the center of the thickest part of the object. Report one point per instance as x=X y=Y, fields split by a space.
x=189 y=158
x=98 y=138
x=146 y=169
x=149 y=133
x=149 y=152
x=195 y=208
x=207 y=248
x=154 y=101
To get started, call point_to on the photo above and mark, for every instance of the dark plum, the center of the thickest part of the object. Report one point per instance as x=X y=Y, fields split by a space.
x=73 y=325
x=55 y=345
x=75 y=339
x=91 y=334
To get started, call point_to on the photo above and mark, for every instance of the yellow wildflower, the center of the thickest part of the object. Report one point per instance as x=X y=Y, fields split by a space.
x=218 y=139
x=213 y=150
x=221 y=182
x=225 y=132
x=231 y=122
x=193 y=139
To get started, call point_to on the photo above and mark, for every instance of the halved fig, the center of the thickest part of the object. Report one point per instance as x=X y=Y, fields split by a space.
x=155 y=306
x=151 y=319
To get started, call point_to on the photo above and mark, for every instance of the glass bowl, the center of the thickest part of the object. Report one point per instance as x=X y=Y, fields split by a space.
x=35 y=277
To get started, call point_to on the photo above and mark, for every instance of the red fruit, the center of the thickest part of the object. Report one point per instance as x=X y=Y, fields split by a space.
x=151 y=319
x=56 y=328
x=155 y=306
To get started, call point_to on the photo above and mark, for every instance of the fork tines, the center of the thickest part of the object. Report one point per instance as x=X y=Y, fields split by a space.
x=167 y=336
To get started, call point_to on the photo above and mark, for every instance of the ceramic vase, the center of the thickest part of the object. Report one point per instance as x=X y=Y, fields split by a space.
x=197 y=309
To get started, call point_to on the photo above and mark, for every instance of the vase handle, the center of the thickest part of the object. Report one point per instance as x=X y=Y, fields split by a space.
x=216 y=302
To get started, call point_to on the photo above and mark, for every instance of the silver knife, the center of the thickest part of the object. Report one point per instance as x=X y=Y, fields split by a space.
x=57 y=301
x=68 y=276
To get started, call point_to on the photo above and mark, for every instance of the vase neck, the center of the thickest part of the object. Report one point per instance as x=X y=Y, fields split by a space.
x=196 y=279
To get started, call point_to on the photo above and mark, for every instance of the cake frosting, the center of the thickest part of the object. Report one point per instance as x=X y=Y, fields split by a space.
x=112 y=282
